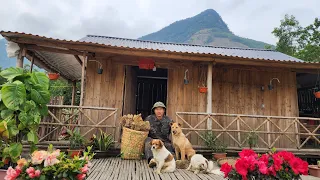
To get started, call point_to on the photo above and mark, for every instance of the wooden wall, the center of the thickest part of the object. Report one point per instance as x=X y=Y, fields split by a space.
x=235 y=90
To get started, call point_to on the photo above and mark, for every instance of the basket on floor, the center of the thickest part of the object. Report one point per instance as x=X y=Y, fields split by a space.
x=132 y=143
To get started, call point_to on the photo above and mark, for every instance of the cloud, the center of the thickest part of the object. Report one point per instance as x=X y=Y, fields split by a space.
x=73 y=19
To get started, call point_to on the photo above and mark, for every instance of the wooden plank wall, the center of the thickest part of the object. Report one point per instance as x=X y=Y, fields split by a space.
x=235 y=90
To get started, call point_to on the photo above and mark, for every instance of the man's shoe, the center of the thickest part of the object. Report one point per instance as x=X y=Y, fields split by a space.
x=152 y=163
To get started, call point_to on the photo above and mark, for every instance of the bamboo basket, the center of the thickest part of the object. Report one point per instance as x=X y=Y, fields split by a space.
x=132 y=143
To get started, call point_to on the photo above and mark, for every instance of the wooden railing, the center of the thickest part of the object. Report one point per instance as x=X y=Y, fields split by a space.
x=271 y=131
x=63 y=117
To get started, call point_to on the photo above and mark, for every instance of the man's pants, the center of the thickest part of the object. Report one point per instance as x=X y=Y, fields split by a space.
x=147 y=148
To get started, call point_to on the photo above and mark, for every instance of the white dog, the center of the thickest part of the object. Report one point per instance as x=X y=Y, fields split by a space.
x=199 y=163
x=162 y=157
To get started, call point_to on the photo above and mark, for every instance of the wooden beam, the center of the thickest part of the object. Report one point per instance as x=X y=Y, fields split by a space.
x=54 y=50
x=209 y=94
x=162 y=54
x=78 y=59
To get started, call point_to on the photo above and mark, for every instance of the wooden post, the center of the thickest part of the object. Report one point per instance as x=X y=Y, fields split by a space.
x=32 y=62
x=74 y=91
x=83 y=75
x=209 y=95
x=19 y=62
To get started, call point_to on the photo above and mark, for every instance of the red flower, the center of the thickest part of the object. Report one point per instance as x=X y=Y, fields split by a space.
x=247 y=152
x=263 y=167
x=242 y=167
x=287 y=156
x=286 y=169
x=226 y=168
x=272 y=171
x=299 y=166
x=265 y=158
x=277 y=162
x=81 y=176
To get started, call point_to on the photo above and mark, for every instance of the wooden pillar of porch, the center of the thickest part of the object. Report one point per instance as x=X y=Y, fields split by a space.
x=74 y=91
x=83 y=75
x=22 y=54
x=209 y=94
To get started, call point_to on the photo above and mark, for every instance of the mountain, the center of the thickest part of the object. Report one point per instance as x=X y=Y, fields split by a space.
x=206 y=28
x=5 y=62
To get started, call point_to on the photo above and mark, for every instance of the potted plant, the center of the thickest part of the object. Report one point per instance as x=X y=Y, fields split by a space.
x=315 y=169
x=274 y=165
x=76 y=143
x=102 y=144
x=252 y=140
x=215 y=145
x=23 y=102
x=51 y=164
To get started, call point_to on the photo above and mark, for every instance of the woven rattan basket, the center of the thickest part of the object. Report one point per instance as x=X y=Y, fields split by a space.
x=132 y=143
x=230 y=160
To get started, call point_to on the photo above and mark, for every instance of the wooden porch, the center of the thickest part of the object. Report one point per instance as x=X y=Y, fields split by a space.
x=117 y=169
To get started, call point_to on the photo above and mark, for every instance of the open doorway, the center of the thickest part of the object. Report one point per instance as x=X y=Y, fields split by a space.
x=143 y=88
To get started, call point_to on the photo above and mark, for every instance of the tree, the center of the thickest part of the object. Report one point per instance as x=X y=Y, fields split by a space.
x=298 y=41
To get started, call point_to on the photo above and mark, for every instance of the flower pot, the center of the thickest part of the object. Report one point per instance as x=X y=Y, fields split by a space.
x=203 y=89
x=101 y=154
x=72 y=153
x=317 y=94
x=53 y=76
x=314 y=170
x=3 y=173
x=217 y=156
x=100 y=70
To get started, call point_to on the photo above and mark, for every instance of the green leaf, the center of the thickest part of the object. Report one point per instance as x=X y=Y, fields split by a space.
x=13 y=94
x=23 y=117
x=42 y=177
x=32 y=137
x=41 y=79
x=12 y=128
x=65 y=174
x=40 y=95
x=44 y=110
x=21 y=126
x=15 y=150
x=7 y=114
x=29 y=105
x=11 y=73
x=33 y=147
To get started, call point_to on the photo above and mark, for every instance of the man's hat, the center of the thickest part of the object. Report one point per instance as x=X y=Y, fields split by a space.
x=158 y=104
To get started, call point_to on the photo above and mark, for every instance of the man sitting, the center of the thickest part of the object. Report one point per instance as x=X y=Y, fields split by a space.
x=160 y=129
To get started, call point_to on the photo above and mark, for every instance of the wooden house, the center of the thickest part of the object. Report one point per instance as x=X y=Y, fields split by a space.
x=245 y=90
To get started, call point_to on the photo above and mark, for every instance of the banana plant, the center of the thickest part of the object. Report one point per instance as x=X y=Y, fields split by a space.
x=23 y=102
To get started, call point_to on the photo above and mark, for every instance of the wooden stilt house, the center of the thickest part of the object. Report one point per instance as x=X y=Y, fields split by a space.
x=231 y=91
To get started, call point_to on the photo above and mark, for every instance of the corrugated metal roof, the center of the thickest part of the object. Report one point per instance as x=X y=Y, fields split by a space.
x=189 y=48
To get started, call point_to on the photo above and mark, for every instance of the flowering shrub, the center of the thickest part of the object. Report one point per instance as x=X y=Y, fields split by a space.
x=280 y=165
x=51 y=165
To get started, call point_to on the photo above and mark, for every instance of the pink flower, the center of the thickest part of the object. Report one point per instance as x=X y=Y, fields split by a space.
x=226 y=168
x=33 y=173
x=38 y=157
x=277 y=162
x=84 y=169
x=272 y=171
x=12 y=174
x=30 y=170
x=81 y=176
x=51 y=159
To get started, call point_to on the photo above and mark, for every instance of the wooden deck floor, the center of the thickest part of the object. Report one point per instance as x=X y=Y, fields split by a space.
x=118 y=169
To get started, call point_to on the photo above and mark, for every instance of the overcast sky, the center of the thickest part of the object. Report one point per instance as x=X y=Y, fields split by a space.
x=73 y=19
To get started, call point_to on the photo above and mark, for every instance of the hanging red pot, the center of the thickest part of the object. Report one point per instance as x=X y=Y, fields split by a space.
x=146 y=63
x=203 y=89
x=317 y=94
x=53 y=76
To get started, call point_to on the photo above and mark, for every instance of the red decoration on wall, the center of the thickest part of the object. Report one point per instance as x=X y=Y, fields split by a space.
x=146 y=63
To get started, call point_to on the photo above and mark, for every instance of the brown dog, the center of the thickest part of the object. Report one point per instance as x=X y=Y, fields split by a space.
x=180 y=143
